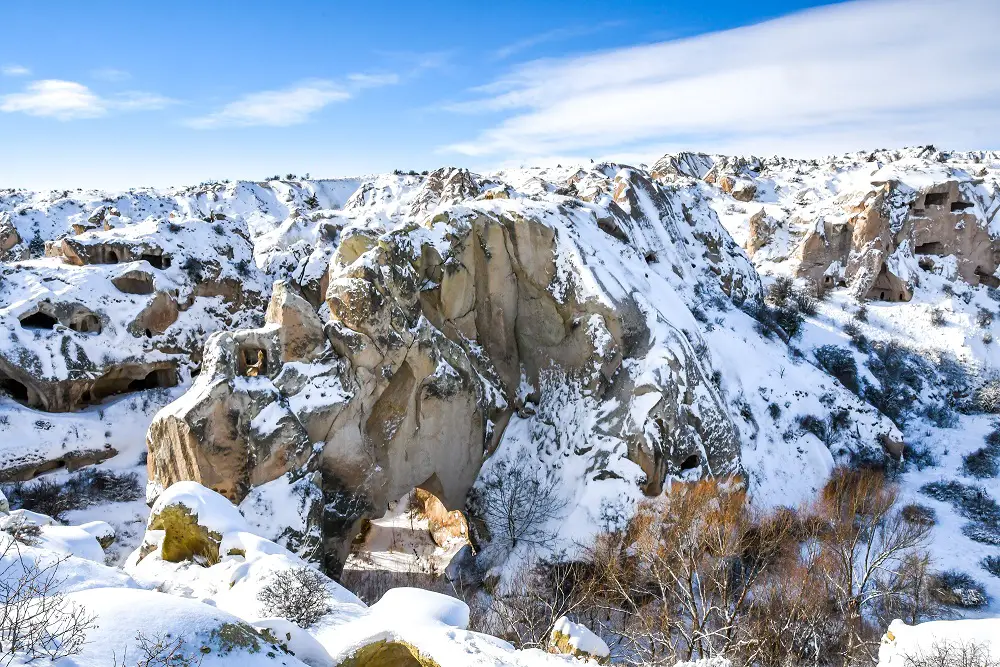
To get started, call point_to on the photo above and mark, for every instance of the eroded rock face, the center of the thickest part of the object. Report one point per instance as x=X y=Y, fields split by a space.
x=435 y=334
x=881 y=214
x=97 y=323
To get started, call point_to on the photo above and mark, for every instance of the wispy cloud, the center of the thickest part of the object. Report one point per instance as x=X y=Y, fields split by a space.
x=15 y=70
x=275 y=108
x=110 y=74
x=818 y=81
x=362 y=80
x=554 y=35
x=69 y=100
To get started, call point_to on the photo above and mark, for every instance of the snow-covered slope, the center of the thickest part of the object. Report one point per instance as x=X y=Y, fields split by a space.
x=668 y=358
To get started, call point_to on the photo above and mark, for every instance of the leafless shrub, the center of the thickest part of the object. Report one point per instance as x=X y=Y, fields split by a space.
x=699 y=574
x=23 y=531
x=515 y=504
x=298 y=594
x=161 y=651
x=36 y=621
x=957 y=653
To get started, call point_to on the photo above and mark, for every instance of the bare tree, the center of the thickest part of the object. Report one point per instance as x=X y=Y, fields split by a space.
x=948 y=653
x=298 y=594
x=515 y=504
x=161 y=651
x=867 y=546
x=36 y=620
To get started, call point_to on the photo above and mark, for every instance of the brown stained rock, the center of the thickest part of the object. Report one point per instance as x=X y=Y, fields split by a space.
x=135 y=281
x=161 y=312
x=300 y=330
x=184 y=539
x=445 y=526
x=388 y=653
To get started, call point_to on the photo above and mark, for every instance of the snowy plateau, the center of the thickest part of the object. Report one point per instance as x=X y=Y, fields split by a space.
x=398 y=419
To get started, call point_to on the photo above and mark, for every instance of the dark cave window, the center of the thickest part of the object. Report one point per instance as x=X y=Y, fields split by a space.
x=691 y=462
x=14 y=389
x=39 y=320
x=164 y=377
x=935 y=199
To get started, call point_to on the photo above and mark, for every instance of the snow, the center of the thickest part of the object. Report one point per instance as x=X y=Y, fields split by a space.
x=202 y=630
x=211 y=509
x=398 y=605
x=903 y=642
x=580 y=638
x=659 y=263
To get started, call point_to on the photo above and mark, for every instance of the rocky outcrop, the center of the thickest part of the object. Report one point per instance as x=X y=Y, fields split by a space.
x=434 y=335
x=77 y=336
x=867 y=234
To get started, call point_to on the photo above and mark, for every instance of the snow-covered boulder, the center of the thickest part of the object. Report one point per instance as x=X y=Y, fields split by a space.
x=941 y=643
x=129 y=622
x=577 y=640
x=190 y=522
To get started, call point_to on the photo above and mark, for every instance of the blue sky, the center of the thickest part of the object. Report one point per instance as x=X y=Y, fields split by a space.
x=116 y=94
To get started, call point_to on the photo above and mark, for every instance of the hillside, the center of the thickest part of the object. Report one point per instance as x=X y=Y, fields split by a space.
x=337 y=358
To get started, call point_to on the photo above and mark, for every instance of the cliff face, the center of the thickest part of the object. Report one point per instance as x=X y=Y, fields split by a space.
x=588 y=322
x=435 y=333
x=865 y=221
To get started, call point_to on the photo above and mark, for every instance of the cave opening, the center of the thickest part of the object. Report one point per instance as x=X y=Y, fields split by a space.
x=930 y=248
x=691 y=462
x=157 y=261
x=161 y=378
x=935 y=199
x=253 y=361
x=112 y=257
x=88 y=323
x=14 y=389
x=958 y=206
x=39 y=320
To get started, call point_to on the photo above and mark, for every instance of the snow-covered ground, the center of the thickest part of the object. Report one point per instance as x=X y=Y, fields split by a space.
x=765 y=384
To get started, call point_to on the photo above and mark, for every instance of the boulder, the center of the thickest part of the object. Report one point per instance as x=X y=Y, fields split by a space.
x=577 y=640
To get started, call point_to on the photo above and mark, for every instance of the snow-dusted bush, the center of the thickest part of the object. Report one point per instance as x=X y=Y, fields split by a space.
x=839 y=362
x=972 y=502
x=36 y=621
x=84 y=489
x=858 y=338
x=952 y=653
x=958 y=589
x=988 y=395
x=515 y=504
x=781 y=290
x=900 y=374
x=919 y=514
x=937 y=317
x=992 y=565
x=981 y=463
x=298 y=594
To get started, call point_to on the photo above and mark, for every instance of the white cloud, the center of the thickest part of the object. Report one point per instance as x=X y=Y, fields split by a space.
x=362 y=80
x=69 y=100
x=110 y=74
x=276 y=108
x=15 y=70
x=555 y=35
x=63 y=100
x=841 y=77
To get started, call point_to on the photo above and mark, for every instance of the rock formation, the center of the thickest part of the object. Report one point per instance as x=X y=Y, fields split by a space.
x=432 y=332
x=868 y=230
